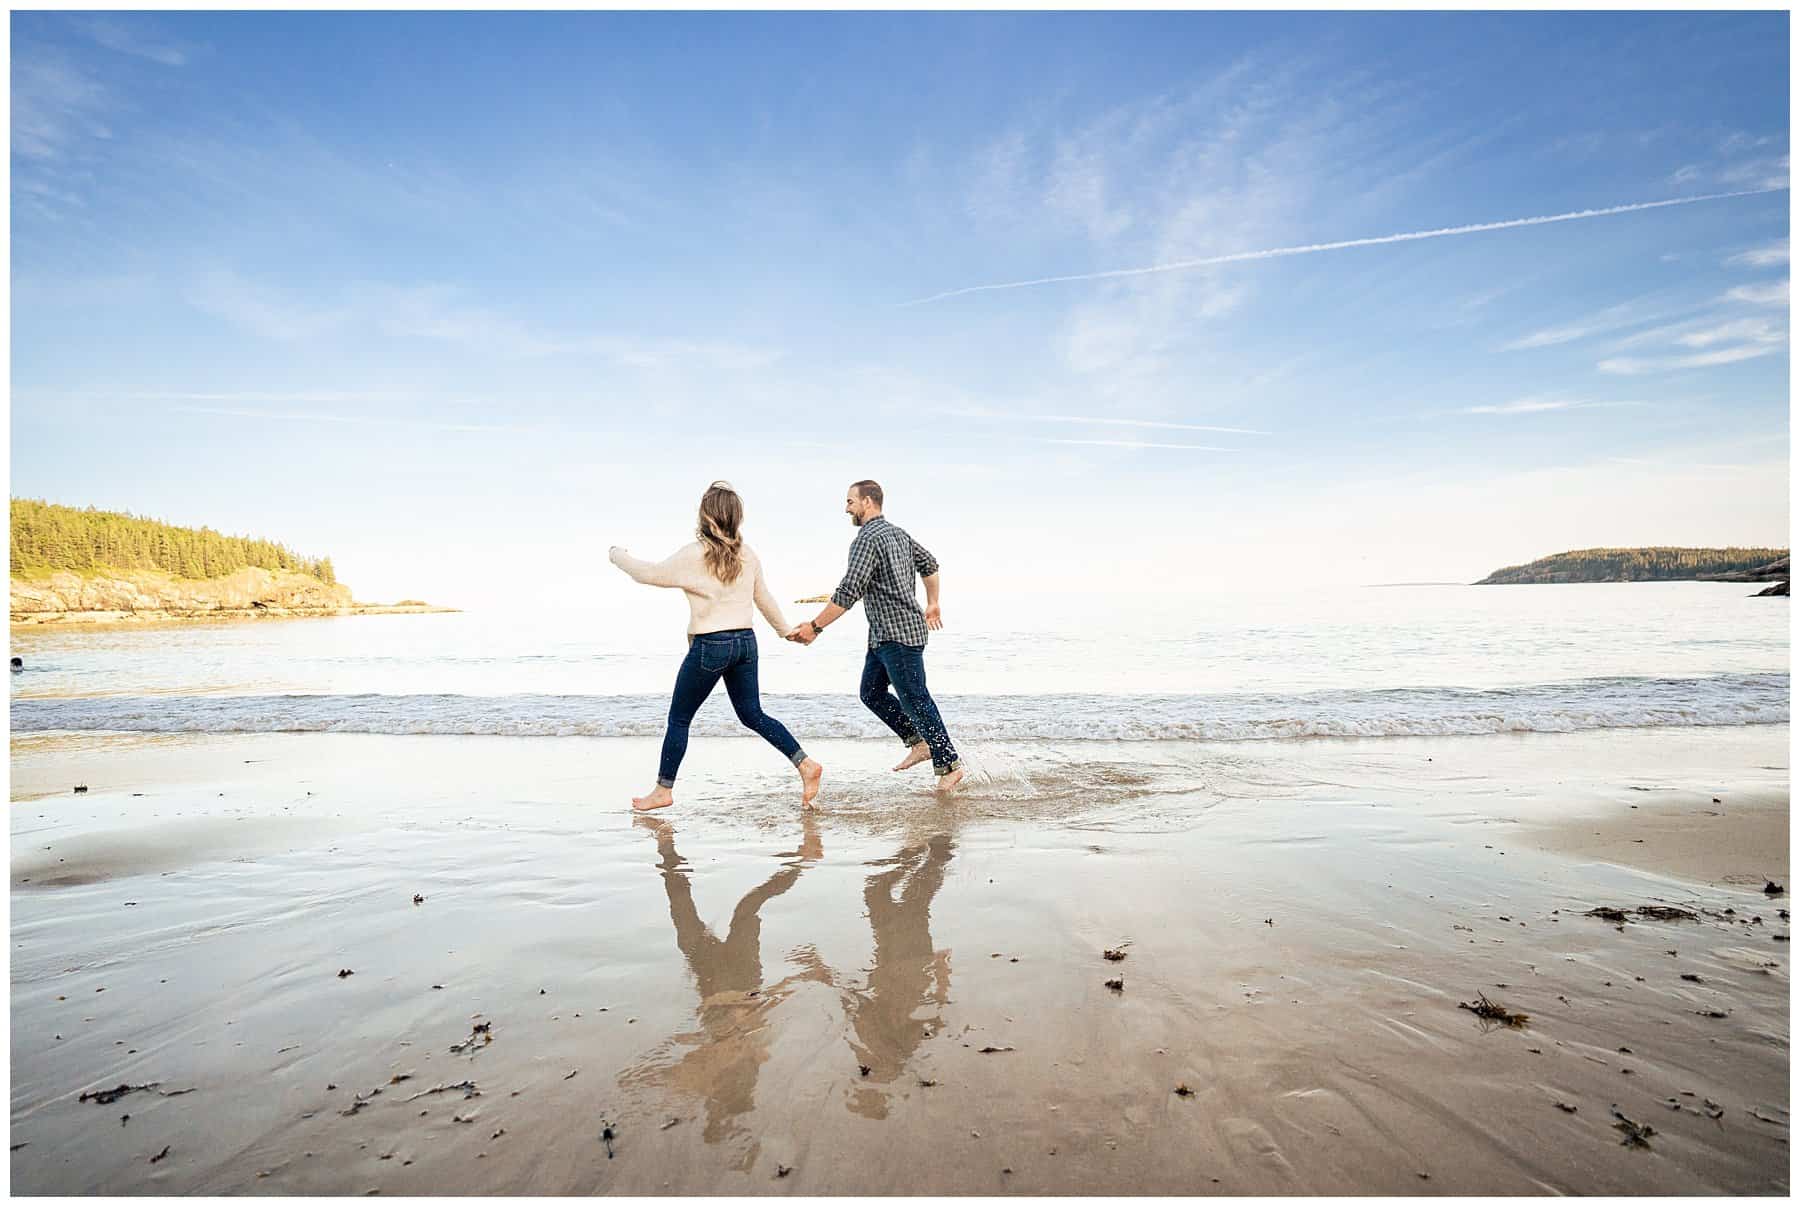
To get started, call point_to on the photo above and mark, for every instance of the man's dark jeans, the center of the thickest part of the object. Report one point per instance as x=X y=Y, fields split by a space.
x=914 y=716
x=728 y=655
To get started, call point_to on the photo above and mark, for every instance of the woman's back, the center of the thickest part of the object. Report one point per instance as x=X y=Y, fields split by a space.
x=713 y=605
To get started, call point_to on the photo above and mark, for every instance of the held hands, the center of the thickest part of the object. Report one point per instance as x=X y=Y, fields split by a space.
x=803 y=633
x=934 y=617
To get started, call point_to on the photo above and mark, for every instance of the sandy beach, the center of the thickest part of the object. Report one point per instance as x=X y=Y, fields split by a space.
x=334 y=963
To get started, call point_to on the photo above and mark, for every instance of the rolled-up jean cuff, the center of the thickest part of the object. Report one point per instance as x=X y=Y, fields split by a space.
x=955 y=765
x=663 y=783
x=798 y=757
x=909 y=740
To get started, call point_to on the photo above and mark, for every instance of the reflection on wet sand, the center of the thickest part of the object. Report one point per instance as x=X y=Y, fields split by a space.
x=724 y=1056
x=719 y=1061
x=907 y=972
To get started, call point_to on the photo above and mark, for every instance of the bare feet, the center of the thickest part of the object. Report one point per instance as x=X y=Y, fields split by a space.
x=811 y=772
x=918 y=754
x=947 y=782
x=661 y=798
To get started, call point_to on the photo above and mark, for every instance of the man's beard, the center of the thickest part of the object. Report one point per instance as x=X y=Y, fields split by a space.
x=856 y=521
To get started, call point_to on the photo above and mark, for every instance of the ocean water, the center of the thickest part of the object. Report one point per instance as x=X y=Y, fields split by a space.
x=1269 y=664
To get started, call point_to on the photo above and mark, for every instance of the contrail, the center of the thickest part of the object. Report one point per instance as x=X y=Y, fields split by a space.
x=1308 y=249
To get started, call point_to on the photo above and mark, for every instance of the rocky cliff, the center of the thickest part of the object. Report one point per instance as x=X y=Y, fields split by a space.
x=1761 y=574
x=155 y=591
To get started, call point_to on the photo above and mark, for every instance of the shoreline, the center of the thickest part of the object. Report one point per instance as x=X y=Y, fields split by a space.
x=898 y=994
x=97 y=619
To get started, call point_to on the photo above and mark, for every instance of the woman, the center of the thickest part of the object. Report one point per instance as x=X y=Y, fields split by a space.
x=721 y=576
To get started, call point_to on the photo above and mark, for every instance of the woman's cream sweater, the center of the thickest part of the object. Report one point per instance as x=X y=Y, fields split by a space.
x=713 y=606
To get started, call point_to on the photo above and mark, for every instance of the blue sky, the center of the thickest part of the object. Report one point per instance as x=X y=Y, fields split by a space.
x=450 y=294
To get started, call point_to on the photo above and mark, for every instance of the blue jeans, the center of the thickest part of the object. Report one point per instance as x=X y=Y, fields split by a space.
x=729 y=655
x=914 y=716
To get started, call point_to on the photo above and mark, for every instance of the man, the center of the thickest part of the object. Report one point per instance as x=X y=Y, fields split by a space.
x=883 y=559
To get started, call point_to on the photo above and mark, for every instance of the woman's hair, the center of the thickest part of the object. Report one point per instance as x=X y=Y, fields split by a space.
x=721 y=515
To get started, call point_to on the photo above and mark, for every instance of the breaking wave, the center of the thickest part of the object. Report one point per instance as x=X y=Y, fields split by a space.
x=1609 y=703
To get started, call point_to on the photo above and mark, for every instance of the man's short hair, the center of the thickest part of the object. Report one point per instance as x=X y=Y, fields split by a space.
x=868 y=488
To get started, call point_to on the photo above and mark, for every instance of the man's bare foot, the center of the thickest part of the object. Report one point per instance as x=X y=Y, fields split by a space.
x=918 y=754
x=811 y=772
x=661 y=798
x=947 y=782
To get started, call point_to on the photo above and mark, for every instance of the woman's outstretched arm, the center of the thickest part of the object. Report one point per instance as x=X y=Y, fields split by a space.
x=672 y=571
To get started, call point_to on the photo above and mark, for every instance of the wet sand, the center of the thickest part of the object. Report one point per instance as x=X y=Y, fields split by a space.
x=899 y=995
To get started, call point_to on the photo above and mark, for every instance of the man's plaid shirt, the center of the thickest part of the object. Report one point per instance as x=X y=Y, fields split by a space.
x=883 y=560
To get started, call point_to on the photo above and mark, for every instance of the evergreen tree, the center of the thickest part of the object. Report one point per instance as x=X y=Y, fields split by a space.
x=46 y=536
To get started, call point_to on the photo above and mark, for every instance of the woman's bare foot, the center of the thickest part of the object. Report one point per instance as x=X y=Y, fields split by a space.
x=947 y=782
x=918 y=754
x=660 y=798
x=811 y=772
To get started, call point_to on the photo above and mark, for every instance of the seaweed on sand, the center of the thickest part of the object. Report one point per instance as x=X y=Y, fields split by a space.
x=107 y=1097
x=1484 y=1007
x=1637 y=1135
x=1666 y=913
x=1656 y=913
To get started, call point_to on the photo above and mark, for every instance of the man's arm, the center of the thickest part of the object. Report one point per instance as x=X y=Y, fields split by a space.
x=927 y=566
x=831 y=613
x=854 y=586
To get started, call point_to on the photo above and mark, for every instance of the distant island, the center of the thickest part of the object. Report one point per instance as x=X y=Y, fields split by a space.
x=1656 y=563
x=84 y=565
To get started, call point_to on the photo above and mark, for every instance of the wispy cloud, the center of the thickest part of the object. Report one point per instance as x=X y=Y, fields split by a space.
x=1773 y=294
x=84 y=292
x=652 y=353
x=54 y=106
x=1340 y=245
x=352 y=420
x=269 y=313
x=1230 y=158
x=443 y=314
x=1533 y=406
x=291 y=397
x=1711 y=338
x=1770 y=172
x=1201 y=448
x=1601 y=322
x=1755 y=330
x=115 y=35
x=1109 y=421
x=1633 y=366
x=999 y=191
x=1476 y=301
x=1741 y=161
x=1767 y=256
x=440 y=313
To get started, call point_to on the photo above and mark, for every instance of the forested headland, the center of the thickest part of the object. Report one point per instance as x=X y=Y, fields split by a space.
x=1654 y=563
x=47 y=537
